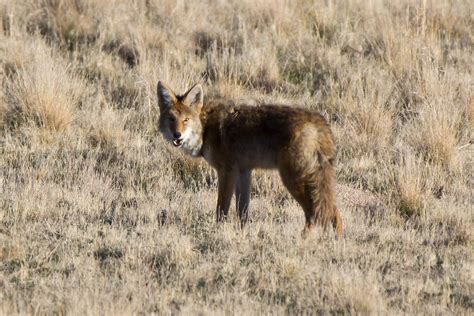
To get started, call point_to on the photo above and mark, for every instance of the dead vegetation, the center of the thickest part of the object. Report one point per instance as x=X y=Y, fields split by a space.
x=99 y=215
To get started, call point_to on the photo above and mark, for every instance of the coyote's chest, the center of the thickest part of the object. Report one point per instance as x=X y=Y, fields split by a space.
x=207 y=155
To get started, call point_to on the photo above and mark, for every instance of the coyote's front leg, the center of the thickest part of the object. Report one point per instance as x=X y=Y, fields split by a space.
x=242 y=195
x=226 y=183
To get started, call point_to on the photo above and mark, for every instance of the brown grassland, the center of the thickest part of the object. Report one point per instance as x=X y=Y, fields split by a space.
x=99 y=215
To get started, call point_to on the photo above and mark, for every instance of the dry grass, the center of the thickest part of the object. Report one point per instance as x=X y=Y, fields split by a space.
x=98 y=215
x=40 y=89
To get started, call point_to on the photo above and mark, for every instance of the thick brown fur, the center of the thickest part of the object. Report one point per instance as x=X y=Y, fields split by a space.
x=236 y=139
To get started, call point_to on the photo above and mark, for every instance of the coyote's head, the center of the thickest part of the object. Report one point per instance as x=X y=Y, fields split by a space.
x=179 y=117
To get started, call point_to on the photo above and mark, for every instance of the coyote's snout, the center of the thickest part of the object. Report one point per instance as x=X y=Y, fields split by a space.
x=236 y=139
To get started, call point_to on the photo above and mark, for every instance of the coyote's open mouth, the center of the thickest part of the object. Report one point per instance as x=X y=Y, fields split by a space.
x=178 y=142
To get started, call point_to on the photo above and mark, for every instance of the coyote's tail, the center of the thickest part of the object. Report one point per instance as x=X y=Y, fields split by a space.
x=324 y=196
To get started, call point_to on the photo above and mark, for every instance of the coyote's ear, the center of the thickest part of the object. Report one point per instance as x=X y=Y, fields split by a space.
x=194 y=97
x=166 y=96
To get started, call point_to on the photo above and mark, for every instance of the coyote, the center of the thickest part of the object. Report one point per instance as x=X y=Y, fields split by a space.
x=236 y=139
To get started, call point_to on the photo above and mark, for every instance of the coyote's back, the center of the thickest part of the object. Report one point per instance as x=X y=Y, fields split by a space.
x=236 y=139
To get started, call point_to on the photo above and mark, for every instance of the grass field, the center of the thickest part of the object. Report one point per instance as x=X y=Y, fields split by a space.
x=99 y=215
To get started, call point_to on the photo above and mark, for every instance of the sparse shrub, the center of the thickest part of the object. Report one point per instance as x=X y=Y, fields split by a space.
x=172 y=254
x=192 y=173
x=128 y=53
x=413 y=186
x=206 y=42
x=255 y=67
x=305 y=68
x=434 y=134
x=366 y=118
x=105 y=253
x=107 y=129
x=70 y=23
x=43 y=91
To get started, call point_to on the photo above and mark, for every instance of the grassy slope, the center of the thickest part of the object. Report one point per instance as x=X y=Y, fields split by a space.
x=98 y=214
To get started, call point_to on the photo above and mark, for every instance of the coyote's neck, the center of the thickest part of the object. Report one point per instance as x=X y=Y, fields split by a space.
x=213 y=112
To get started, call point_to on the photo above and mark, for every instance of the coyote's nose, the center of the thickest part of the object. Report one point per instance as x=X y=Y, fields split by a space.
x=177 y=135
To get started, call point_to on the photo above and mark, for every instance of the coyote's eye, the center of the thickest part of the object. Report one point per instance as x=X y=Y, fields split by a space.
x=186 y=120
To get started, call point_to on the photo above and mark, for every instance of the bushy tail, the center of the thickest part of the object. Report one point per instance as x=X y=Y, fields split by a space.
x=324 y=198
